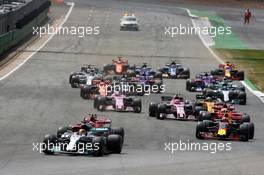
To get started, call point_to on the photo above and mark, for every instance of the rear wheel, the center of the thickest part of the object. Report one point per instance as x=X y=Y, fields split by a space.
x=161 y=110
x=188 y=85
x=98 y=146
x=187 y=73
x=137 y=105
x=251 y=129
x=204 y=115
x=152 y=109
x=101 y=104
x=245 y=118
x=114 y=143
x=95 y=102
x=241 y=75
x=119 y=131
x=200 y=128
x=244 y=132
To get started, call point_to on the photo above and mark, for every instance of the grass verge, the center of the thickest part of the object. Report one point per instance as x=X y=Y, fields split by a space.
x=251 y=61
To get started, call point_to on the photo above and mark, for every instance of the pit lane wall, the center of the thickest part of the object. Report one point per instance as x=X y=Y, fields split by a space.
x=18 y=24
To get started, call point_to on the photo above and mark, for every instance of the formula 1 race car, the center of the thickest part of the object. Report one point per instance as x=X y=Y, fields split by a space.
x=221 y=111
x=118 y=102
x=100 y=87
x=226 y=94
x=143 y=70
x=227 y=84
x=87 y=74
x=149 y=83
x=210 y=105
x=126 y=87
x=200 y=82
x=228 y=70
x=224 y=129
x=118 y=67
x=92 y=136
x=174 y=70
x=83 y=143
x=101 y=126
x=171 y=107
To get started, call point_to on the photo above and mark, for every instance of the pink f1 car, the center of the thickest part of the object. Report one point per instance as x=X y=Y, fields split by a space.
x=171 y=107
x=118 y=102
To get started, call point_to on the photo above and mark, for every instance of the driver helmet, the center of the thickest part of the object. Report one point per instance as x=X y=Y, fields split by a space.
x=82 y=132
x=123 y=79
x=144 y=65
x=224 y=110
x=209 y=99
x=225 y=117
x=177 y=101
x=93 y=117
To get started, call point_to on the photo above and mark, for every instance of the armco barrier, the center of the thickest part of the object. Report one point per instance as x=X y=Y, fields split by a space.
x=12 y=38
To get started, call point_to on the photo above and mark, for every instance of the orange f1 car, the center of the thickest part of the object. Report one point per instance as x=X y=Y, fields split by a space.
x=119 y=67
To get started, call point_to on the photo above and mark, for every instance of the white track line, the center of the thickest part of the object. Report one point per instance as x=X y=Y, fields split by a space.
x=71 y=4
x=258 y=94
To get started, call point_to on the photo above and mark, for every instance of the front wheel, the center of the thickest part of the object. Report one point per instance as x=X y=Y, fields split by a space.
x=49 y=143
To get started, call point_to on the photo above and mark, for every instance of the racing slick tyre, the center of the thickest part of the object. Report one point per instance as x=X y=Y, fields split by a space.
x=188 y=84
x=137 y=104
x=70 y=78
x=204 y=115
x=161 y=109
x=109 y=68
x=49 y=141
x=244 y=132
x=115 y=143
x=245 y=118
x=101 y=103
x=186 y=73
x=98 y=146
x=242 y=98
x=152 y=109
x=82 y=93
x=95 y=103
x=73 y=85
x=201 y=127
x=119 y=131
x=241 y=75
x=86 y=92
x=62 y=130
x=251 y=128
x=197 y=110
x=192 y=87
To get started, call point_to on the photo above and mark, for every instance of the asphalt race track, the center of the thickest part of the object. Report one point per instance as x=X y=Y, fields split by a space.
x=37 y=99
